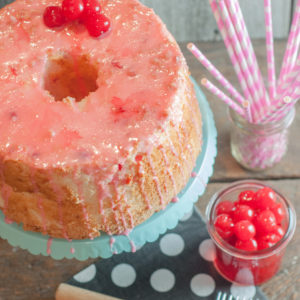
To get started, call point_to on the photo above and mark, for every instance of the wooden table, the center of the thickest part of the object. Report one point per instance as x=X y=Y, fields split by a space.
x=25 y=276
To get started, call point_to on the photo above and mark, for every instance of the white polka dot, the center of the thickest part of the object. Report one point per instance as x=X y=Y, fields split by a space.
x=162 y=280
x=245 y=275
x=171 y=244
x=187 y=215
x=123 y=275
x=202 y=285
x=242 y=292
x=86 y=274
x=207 y=250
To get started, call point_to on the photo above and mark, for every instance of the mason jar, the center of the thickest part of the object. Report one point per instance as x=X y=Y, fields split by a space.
x=259 y=146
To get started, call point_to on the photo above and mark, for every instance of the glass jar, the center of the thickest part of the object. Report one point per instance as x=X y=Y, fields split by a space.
x=259 y=146
x=248 y=267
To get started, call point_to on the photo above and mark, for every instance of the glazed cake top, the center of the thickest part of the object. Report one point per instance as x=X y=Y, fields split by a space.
x=120 y=86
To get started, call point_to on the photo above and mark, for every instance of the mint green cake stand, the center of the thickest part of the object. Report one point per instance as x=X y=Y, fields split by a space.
x=148 y=231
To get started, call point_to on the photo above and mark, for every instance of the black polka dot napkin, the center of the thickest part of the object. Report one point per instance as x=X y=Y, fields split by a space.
x=177 y=266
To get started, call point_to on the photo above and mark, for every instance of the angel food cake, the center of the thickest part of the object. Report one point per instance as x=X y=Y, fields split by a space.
x=96 y=133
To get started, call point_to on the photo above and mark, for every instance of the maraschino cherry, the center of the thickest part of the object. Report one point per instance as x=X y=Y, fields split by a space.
x=87 y=12
x=253 y=222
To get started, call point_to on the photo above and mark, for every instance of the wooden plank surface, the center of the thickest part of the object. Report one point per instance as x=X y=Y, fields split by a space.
x=192 y=20
x=27 y=277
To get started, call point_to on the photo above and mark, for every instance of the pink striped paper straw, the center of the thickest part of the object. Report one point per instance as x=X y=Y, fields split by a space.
x=212 y=88
x=246 y=105
x=231 y=52
x=243 y=62
x=287 y=105
x=261 y=97
x=292 y=45
x=215 y=72
x=270 y=49
x=288 y=93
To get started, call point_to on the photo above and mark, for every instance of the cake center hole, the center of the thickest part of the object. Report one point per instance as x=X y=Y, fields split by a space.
x=68 y=75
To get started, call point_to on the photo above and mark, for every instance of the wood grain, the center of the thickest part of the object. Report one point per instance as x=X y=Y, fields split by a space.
x=192 y=20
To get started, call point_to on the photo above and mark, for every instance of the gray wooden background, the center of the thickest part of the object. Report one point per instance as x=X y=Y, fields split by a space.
x=192 y=20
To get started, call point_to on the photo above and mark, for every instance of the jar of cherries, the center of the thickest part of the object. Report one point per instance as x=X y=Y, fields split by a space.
x=251 y=225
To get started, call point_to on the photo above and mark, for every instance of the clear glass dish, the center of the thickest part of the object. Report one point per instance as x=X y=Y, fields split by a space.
x=245 y=267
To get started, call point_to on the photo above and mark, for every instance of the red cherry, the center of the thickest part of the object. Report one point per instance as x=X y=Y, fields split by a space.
x=72 y=9
x=265 y=198
x=246 y=197
x=91 y=7
x=268 y=240
x=242 y=212
x=224 y=207
x=279 y=212
x=279 y=231
x=249 y=245
x=265 y=222
x=53 y=16
x=224 y=226
x=244 y=230
x=97 y=25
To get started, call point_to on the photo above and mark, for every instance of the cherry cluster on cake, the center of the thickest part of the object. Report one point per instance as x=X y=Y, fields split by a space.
x=87 y=12
x=253 y=222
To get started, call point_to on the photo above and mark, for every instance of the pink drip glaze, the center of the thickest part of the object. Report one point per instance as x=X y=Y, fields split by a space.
x=39 y=203
x=195 y=175
x=72 y=250
x=49 y=243
x=128 y=212
x=175 y=199
x=155 y=179
x=82 y=203
x=133 y=247
x=141 y=185
x=167 y=164
x=126 y=232
x=114 y=210
x=111 y=243
x=8 y=221
x=59 y=198
x=188 y=145
x=172 y=148
x=101 y=195
x=194 y=116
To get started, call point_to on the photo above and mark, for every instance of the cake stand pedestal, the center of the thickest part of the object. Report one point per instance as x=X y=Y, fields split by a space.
x=148 y=231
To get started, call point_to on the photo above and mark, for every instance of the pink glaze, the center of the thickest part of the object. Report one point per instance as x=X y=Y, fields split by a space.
x=8 y=221
x=49 y=243
x=38 y=130
x=111 y=244
x=142 y=184
x=175 y=199
x=72 y=250
x=133 y=247
x=195 y=175
x=56 y=188
x=168 y=171
x=83 y=205
x=156 y=181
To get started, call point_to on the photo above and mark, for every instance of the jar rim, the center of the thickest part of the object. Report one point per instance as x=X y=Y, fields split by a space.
x=257 y=254
x=262 y=128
